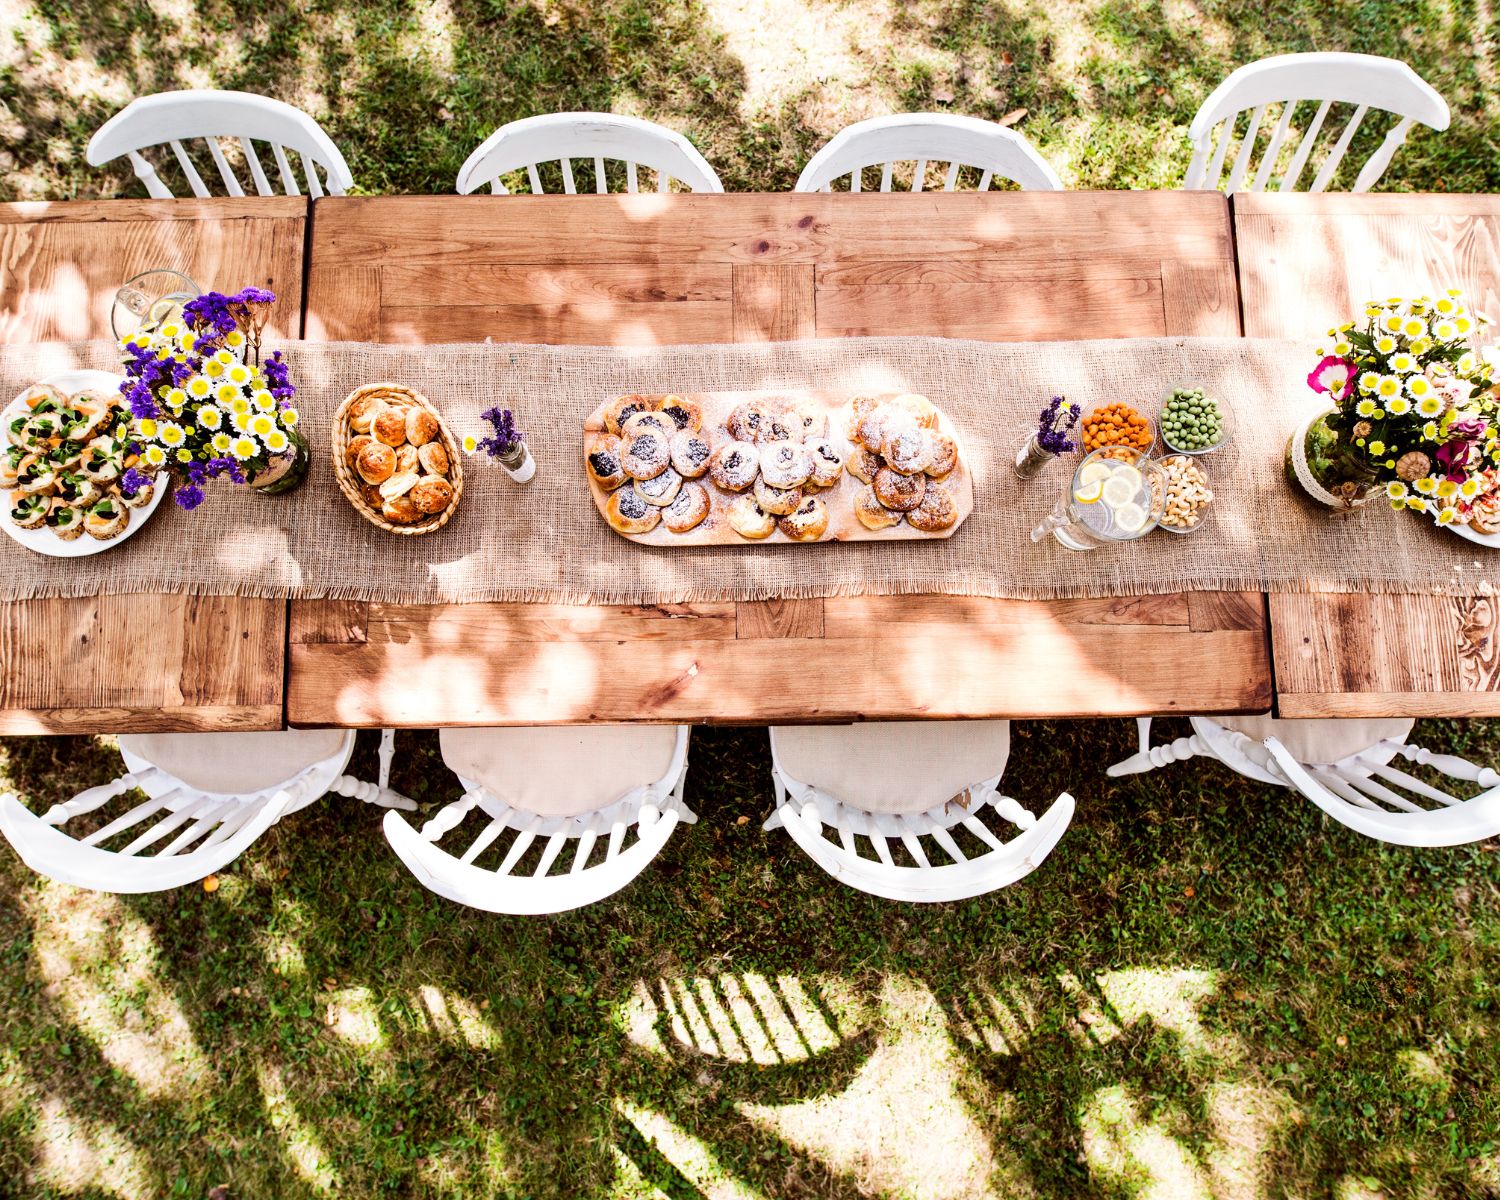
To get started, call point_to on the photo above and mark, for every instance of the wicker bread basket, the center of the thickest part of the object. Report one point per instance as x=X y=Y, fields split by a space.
x=351 y=484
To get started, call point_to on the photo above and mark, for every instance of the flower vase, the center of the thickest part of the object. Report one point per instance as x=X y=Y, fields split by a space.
x=1031 y=457
x=1325 y=470
x=518 y=463
x=286 y=472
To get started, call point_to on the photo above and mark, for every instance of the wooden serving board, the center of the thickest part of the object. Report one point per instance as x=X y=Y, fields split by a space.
x=843 y=525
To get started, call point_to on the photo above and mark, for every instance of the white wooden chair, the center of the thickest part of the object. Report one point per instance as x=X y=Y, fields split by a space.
x=990 y=149
x=908 y=790
x=1345 y=768
x=535 y=791
x=602 y=137
x=171 y=118
x=208 y=797
x=1287 y=81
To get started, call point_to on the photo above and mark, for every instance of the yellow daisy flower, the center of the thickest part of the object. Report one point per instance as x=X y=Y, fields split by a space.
x=184 y=455
x=1399 y=407
x=261 y=424
x=147 y=426
x=290 y=417
x=210 y=417
x=220 y=443
x=1446 y=489
x=171 y=434
x=1395 y=490
x=225 y=393
x=155 y=456
x=1388 y=386
x=471 y=443
x=1365 y=408
x=1369 y=381
x=1377 y=448
x=239 y=373
x=1414 y=327
x=277 y=442
x=1426 y=485
x=198 y=388
x=1385 y=345
x=1418 y=386
x=1404 y=364
x=243 y=448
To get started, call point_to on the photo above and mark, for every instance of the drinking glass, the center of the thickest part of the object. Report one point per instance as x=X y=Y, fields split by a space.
x=1111 y=517
x=150 y=299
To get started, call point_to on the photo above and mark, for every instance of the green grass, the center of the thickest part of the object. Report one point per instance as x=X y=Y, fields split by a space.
x=1207 y=990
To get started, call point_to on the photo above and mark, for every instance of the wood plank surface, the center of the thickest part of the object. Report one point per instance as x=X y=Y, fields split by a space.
x=141 y=662
x=1307 y=262
x=650 y=269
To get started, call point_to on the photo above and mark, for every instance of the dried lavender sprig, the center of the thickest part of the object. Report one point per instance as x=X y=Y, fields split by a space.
x=1055 y=423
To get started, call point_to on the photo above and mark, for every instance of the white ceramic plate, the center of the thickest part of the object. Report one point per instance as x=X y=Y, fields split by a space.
x=43 y=540
x=1491 y=540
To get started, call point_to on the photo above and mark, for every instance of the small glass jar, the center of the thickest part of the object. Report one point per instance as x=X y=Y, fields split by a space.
x=1031 y=457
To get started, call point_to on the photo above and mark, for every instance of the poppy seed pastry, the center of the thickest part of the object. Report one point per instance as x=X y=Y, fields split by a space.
x=776 y=501
x=629 y=514
x=785 y=464
x=646 y=456
x=827 y=462
x=734 y=466
x=618 y=411
x=690 y=454
x=661 y=489
x=688 y=509
x=808 y=523
x=603 y=461
x=749 y=520
x=638 y=423
x=684 y=414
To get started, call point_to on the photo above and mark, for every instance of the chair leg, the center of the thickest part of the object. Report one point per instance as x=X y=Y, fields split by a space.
x=387 y=752
x=370 y=793
x=1149 y=757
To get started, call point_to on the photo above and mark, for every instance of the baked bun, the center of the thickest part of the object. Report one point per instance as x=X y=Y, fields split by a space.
x=871 y=513
x=745 y=421
x=901 y=492
x=734 y=466
x=406 y=459
x=421 y=426
x=863 y=464
x=431 y=495
x=780 y=424
x=869 y=430
x=433 y=458
x=785 y=464
x=943 y=455
x=627 y=513
x=389 y=426
x=690 y=454
x=827 y=462
x=646 y=456
x=376 y=463
x=811 y=419
x=398 y=485
x=682 y=412
x=638 y=423
x=749 y=520
x=660 y=490
x=371 y=493
x=919 y=408
x=362 y=413
x=776 y=501
x=688 y=509
x=937 y=511
x=907 y=448
x=617 y=411
x=808 y=523
x=603 y=462
x=355 y=444
x=401 y=510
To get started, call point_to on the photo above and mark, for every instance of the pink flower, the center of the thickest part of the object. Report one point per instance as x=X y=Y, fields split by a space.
x=1333 y=375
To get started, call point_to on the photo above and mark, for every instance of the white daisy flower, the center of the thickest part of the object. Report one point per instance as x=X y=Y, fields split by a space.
x=225 y=393
x=239 y=405
x=264 y=401
x=234 y=338
x=1418 y=386
x=1447 y=516
x=224 y=358
x=261 y=424
x=1385 y=345
x=1469 y=488
x=1388 y=386
x=1368 y=381
x=1426 y=485
x=198 y=388
x=1445 y=331
x=1430 y=406
x=1399 y=406
x=1414 y=327
x=155 y=456
x=1395 y=490
x=220 y=443
x=147 y=427
x=171 y=434
x=1403 y=364
x=277 y=442
x=214 y=370
x=176 y=397
x=1447 y=489
x=210 y=417
x=243 y=448
x=239 y=373
x=290 y=417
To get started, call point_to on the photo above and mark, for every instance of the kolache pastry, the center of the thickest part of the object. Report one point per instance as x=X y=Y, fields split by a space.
x=646 y=455
x=661 y=489
x=776 y=501
x=639 y=423
x=603 y=460
x=628 y=513
x=900 y=492
x=686 y=415
x=622 y=409
x=749 y=520
x=808 y=523
x=402 y=472
x=827 y=462
x=688 y=508
x=871 y=513
x=690 y=454
x=785 y=464
x=942 y=455
x=937 y=511
x=734 y=466
x=901 y=454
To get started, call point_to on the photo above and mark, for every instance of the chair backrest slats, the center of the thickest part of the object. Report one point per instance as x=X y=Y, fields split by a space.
x=169 y=822
x=1341 y=787
x=484 y=841
x=174 y=118
x=284 y=169
x=952 y=177
x=1247 y=147
x=195 y=181
x=567 y=169
x=1412 y=784
x=231 y=181
x=885 y=176
x=310 y=173
x=1375 y=790
x=1359 y=80
x=918 y=175
x=204 y=822
x=123 y=822
x=1331 y=163
x=257 y=174
x=984 y=180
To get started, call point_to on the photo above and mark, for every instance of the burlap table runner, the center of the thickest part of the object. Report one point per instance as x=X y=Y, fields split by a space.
x=546 y=541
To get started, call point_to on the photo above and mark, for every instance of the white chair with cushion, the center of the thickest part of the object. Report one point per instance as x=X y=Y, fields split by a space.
x=916 y=794
x=1346 y=768
x=600 y=137
x=1318 y=81
x=990 y=150
x=172 y=118
x=208 y=797
x=535 y=792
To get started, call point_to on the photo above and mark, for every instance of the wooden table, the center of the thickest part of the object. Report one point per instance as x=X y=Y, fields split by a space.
x=670 y=269
x=141 y=662
x=1307 y=263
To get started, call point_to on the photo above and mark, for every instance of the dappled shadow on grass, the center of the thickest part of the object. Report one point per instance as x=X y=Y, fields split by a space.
x=1163 y=1000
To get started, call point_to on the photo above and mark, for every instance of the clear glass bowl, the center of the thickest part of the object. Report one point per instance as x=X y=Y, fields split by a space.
x=1161 y=412
x=1203 y=513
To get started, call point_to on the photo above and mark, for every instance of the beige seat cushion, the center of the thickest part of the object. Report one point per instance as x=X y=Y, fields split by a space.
x=560 y=771
x=235 y=763
x=1322 y=740
x=894 y=767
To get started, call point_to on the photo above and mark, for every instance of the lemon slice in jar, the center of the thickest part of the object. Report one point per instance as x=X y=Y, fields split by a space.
x=1089 y=493
x=1121 y=488
x=1130 y=518
x=1094 y=472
